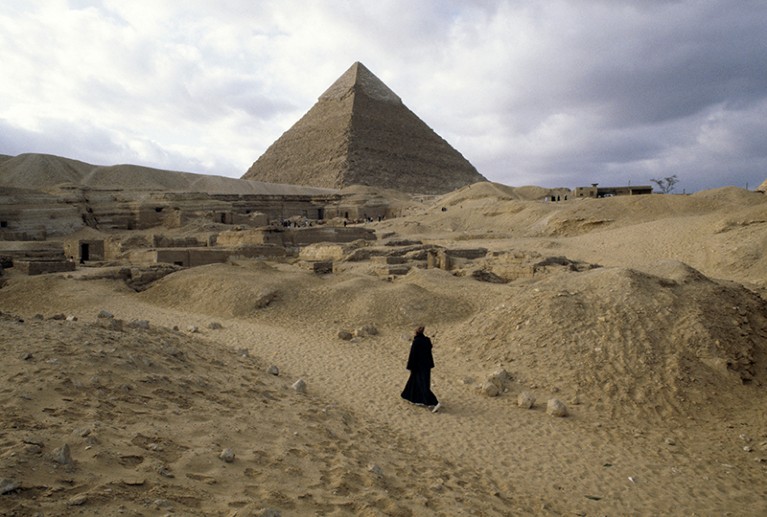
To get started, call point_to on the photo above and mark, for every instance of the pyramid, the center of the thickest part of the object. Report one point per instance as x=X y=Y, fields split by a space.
x=360 y=133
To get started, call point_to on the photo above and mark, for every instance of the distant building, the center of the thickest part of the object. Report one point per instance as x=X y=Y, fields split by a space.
x=596 y=191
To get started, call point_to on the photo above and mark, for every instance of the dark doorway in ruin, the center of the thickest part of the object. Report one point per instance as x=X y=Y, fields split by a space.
x=320 y=214
x=85 y=252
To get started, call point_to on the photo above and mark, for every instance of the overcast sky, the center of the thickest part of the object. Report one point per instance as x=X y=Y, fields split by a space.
x=550 y=93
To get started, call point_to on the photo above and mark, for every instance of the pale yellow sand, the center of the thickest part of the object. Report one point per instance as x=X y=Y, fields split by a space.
x=662 y=366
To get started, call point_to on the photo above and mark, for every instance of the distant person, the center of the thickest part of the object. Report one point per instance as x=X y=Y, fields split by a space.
x=420 y=362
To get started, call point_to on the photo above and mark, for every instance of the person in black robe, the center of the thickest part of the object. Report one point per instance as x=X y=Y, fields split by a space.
x=420 y=362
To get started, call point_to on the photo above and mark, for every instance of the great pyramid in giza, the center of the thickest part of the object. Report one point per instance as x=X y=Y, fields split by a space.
x=360 y=133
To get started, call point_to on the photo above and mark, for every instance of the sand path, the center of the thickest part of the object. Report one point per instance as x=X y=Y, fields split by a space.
x=583 y=465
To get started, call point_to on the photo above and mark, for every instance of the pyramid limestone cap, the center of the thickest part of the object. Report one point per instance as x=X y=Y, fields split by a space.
x=359 y=78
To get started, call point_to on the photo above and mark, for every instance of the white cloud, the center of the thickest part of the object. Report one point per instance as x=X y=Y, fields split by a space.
x=557 y=93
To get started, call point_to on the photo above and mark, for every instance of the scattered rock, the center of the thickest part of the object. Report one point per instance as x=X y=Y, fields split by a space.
x=139 y=324
x=556 y=407
x=78 y=500
x=111 y=324
x=227 y=455
x=366 y=330
x=496 y=383
x=345 y=335
x=501 y=377
x=268 y=512
x=192 y=329
x=103 y=314
x=489 y=389
x=82 y=432
x=71 y=318
x=172 y=351
x=165 y=472
x=264 y=298
x=214 y=325
x=375 y=469
x=58 y=317
x=8 y=485
x=33 y=441
x=33 y=449
x=62 y=455
x=483 y=275
x=273 y=370
x=526 y=400
x=162 y=503
x=299 y=386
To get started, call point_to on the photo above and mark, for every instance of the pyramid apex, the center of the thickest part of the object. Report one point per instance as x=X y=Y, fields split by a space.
x=359 y=78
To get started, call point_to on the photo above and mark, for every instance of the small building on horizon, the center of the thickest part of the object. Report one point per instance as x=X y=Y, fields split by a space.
x=596 y=191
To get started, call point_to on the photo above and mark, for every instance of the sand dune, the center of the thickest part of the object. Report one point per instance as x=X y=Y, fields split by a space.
x=47 y=172
x=646 y=316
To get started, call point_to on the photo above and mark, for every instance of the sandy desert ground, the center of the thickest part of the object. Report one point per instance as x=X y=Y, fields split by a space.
x=645 y=315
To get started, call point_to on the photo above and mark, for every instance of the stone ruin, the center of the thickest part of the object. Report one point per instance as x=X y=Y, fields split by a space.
x=72 y=223
x=57 y=213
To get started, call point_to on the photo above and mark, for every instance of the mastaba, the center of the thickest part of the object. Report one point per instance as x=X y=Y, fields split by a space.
x=360 y=133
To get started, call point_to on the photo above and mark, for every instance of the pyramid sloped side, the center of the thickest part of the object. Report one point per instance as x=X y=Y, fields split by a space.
x=762 y=187
x=360 y=133
x=391 y=147
x=312 y=152
x=359 y=79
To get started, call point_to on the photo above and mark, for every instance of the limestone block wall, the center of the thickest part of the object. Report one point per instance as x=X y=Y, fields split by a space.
x=35 y=222
x=295 y=236
x=304 y=236
x=254 y=219
x=149 y=216
x=192 y=257
x=512 y=265
x=32 y=250
x=322 y=251
x=467 y=253
x=164 y=241
x=39 y=267
x=249 y=237
x=31 y=215
x=85 y=249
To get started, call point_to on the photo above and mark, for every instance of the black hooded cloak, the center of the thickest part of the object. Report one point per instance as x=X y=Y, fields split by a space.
x=420 y=362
